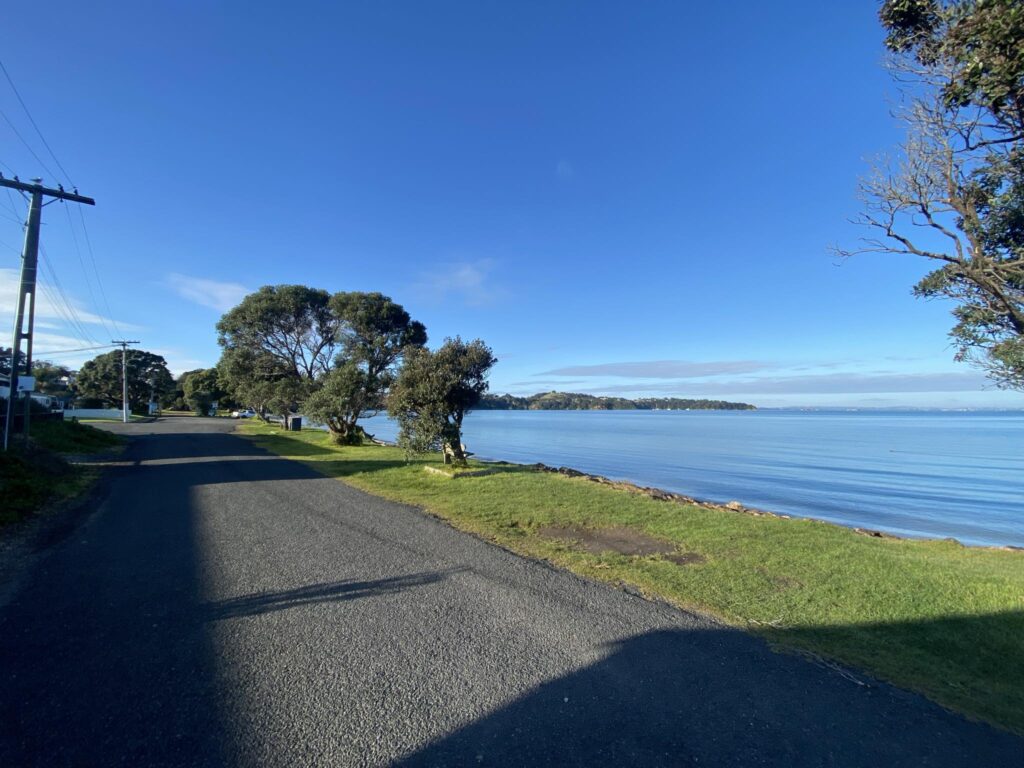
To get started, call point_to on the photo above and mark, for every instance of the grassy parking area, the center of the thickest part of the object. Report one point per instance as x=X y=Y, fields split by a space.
x=32 y=477
x=932 y=616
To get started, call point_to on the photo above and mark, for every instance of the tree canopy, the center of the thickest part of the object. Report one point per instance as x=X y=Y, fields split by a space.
x=374 y=333
x=201 y=389
x=292 y=324
x=433 y=393
x=287 y=347
x=51 y=379
x=100 y=378
x=955 y=192
x=277 y=342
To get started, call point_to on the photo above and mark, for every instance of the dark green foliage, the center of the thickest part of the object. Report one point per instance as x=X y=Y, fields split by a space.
x=51 y=379
x=433 y=393
x=261 y=381
x=277 y=342
x=374 y=330
x=291 y=324
x=572 y=401
x=201 y=389
x=100 y=378
x=340 y=400
x=335 y=355
x=978 y=40
x=957 y=195
x=374 y=333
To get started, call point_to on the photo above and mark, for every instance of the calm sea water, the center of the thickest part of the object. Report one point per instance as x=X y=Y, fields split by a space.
x=922 y=473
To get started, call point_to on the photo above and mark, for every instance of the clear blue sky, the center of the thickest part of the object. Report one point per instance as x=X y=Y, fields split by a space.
x=629 y=198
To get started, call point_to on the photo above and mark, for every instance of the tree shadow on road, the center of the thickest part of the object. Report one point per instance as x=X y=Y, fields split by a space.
x=717 y=697
x=312 y=594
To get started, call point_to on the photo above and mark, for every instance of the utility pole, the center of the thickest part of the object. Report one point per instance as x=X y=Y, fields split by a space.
x=124 y=376
x=27 y=292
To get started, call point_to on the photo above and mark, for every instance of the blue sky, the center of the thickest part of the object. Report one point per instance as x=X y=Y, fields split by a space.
x=620 y=198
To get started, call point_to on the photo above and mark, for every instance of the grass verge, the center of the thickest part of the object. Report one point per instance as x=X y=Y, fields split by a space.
x=932 y=616
x=39 y=474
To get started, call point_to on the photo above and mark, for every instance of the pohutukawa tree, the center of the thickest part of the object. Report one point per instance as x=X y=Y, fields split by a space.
x=148 y=377
x=277 y=343
x=334 y=356
x=433 y=393
x=374 y=333
x=201 y=389
x=954 y=194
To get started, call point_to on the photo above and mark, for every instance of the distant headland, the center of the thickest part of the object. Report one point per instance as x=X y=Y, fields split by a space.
x=574 y=401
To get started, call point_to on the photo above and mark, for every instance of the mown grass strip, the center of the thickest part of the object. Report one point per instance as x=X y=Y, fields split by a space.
x=932 y=616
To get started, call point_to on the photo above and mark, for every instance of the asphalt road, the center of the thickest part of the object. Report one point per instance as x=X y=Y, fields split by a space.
x=222 y=606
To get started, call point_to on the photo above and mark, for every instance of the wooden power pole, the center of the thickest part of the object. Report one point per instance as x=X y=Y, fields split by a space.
x=27 y=292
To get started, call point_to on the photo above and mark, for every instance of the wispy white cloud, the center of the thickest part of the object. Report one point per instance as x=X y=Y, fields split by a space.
x=662 y=369
x=214 y=294
x=465 y=281
x=853 y=383
x=51 y=311
x=824 y=384
x=564 y=170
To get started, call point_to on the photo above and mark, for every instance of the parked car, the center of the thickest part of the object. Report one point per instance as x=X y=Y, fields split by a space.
x=246 y=414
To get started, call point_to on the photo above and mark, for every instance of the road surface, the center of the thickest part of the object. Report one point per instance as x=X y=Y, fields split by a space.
x=223 y=606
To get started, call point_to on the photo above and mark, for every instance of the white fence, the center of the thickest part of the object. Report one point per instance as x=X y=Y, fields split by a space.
x=93 y=413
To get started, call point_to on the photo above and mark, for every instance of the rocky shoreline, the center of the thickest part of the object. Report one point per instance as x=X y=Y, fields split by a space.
x=659 y=494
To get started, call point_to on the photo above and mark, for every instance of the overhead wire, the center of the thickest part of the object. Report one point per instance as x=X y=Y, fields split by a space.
x=44 y=259
x=27 y=145
x=32 y=120
x=58 y=352
x=85 y=272
x=67 y=177
x=12 y=206
x=95 y=269
x=62 y=312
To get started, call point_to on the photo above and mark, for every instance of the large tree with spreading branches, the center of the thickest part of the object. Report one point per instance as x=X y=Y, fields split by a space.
x=277 y=343
x=954 y=193
x=433 y=393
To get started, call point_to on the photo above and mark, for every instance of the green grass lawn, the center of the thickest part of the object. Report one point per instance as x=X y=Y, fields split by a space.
x=933 y=616
x=33 y=477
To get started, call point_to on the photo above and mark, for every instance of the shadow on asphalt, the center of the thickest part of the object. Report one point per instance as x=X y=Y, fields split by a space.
x=336 y=592
x=108 y=659
x=717 y=697
x=114 y=662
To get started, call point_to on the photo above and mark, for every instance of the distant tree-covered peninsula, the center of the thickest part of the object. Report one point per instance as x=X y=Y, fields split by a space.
x=573 y=401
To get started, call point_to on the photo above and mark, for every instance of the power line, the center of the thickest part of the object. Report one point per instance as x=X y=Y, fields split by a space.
x=85 y=273
x=10 y=204
x=27 y=145
x=47 y=265
x=67 y=176
x=74 y=331
x=99 y=282
x=70 y=351
x=31 y=120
